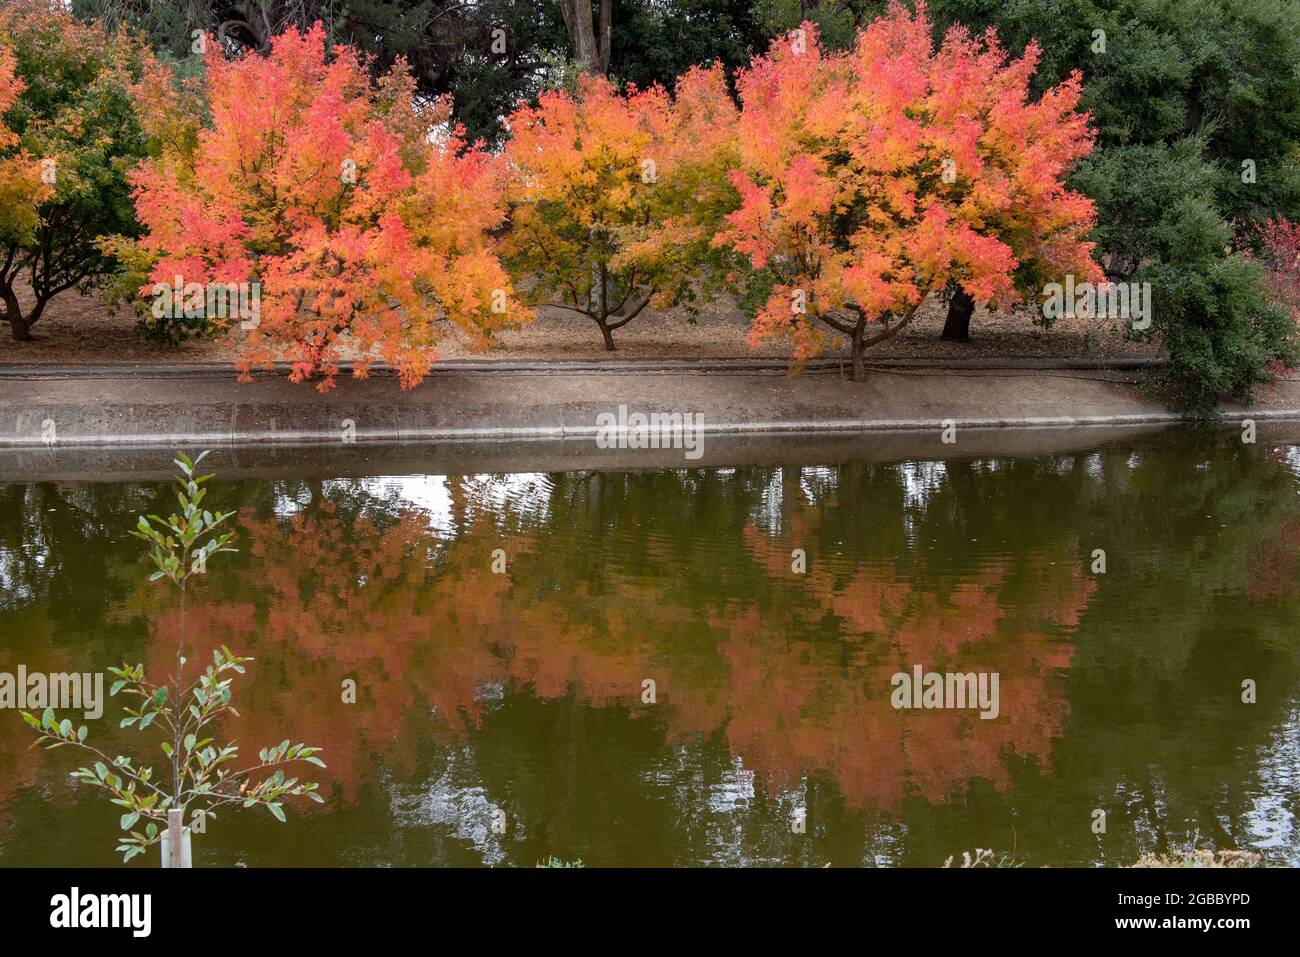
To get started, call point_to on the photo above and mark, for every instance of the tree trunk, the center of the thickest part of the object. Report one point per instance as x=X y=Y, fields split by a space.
x=19 y=325
x=609 y=336
x=859 y=365
x=605 y=33
x=956 y=327
x=589 y=36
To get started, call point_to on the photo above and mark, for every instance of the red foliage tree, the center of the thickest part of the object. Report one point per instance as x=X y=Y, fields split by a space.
x=364 y=217
x=1281 y=242
x=873 y=178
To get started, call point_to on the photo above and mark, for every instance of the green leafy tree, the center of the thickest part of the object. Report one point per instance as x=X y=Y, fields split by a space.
x=488 y=55
x=1223 y=332
x=658 y=42
x=1225 y=74
x=203 y=775
x=837 y=20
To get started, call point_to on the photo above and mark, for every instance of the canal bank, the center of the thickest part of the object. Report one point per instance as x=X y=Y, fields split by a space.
x=957 y=409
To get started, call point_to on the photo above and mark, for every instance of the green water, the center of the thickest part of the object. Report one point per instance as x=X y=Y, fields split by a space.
x=524 y=691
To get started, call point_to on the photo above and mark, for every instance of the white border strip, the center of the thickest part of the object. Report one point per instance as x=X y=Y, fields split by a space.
x=331 y=436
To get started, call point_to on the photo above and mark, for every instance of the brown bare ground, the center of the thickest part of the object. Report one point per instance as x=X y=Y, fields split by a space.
x=79 y=328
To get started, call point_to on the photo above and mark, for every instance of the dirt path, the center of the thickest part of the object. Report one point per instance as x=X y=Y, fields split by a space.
x=81 y=329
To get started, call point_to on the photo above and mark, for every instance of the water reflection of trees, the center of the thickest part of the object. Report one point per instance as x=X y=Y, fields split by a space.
x=763 y=676
x=683 y=578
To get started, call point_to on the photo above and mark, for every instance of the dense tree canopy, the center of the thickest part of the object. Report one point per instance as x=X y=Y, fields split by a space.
x=873 y=178
x=1195 y=111
x=21 y=189
x=356 y=212
x=72 y=117
x=614 y=198
x=486 y=55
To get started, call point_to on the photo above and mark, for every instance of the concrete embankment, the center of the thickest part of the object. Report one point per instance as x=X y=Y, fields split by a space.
x=546 y=413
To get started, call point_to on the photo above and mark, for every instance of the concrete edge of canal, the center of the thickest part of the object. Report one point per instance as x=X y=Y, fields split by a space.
x=128 y=422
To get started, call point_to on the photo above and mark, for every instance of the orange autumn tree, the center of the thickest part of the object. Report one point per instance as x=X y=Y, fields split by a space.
x=614 y=197
x=363 y=216
x=872 y=178
x=21 y=188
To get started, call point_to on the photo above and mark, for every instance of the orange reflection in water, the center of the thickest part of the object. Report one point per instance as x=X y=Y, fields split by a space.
x=422 y=624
